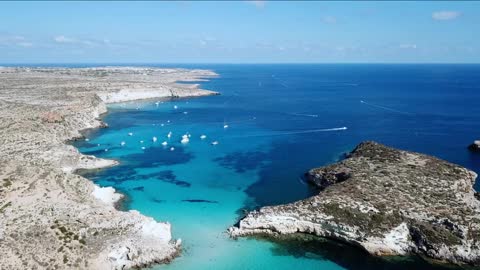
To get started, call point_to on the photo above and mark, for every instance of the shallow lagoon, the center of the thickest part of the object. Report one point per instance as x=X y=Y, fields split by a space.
x=282 y=120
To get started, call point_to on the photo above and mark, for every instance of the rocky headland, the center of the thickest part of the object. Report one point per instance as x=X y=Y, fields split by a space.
x=387 y=202
x=50 y=217
x=475 y=146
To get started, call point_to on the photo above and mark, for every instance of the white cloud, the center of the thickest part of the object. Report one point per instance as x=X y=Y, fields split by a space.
x=258 y=3
x=407 y=46
x=445 y=15
x=63 y=39
x=329 y=19
x=19 y=41
x=25 y=44
x=81 y=42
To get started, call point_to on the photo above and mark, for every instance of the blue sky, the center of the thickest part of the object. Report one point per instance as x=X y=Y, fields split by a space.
x=239 y=32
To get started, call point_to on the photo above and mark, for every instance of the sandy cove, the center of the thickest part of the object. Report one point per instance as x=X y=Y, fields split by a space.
x=50 y=217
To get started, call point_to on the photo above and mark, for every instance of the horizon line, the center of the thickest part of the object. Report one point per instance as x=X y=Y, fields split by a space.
x=236 y=63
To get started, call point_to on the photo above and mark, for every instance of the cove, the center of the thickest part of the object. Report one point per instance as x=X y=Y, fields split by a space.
x=282 y=120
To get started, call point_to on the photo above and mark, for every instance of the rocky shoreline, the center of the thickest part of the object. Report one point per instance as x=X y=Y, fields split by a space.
x=50 y=217
x=387 y=202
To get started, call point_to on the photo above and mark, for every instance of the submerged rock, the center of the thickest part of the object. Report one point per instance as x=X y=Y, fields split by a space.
x=386 y=201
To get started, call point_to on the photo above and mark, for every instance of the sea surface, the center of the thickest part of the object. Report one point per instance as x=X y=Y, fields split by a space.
x=272 y=124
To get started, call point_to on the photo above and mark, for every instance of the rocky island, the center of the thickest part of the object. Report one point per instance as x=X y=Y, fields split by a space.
x=475 y=146
x=50 y=217
x=387 y=202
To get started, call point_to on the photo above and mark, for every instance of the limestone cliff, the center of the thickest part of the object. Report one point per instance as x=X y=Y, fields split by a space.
x=386 y=201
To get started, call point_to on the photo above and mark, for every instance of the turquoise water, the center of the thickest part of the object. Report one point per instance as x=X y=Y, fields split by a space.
x=282 y=120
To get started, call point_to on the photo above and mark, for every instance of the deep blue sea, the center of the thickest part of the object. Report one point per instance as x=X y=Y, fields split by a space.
x=282 y=120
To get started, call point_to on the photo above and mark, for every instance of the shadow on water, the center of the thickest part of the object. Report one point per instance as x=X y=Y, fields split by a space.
x=280 y=179
x=345 y=255
x=243 y=161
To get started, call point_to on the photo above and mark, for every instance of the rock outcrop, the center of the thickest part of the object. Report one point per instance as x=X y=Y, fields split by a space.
x=51 y=218
x=386 y=201
x=475 y=146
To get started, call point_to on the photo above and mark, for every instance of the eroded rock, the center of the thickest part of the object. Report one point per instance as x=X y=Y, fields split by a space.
x=387 y=201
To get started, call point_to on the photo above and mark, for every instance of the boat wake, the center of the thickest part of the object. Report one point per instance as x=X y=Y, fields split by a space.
x=385 y=108
x=304 y=114
x=271 y=134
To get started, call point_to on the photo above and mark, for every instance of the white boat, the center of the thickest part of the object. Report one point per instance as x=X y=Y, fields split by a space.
x=106 y=149
x=172 y=148
x=225 y=126
x=164 y=143
x=143 y=147
x=154 y=139
x=122 y=143
x=141 y=141
x=86 y=139
x=185 y=139
x=203 y=137
x=214 y=142
x=169 y=135
x=130 y=134
x=175 y=107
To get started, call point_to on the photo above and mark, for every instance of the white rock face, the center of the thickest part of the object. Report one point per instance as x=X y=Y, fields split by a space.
x=107 y=195
x=158 y=230
x=397 y=241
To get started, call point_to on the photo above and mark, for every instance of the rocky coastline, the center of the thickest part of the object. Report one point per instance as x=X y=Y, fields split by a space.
x=50 y=217
x=387 y=202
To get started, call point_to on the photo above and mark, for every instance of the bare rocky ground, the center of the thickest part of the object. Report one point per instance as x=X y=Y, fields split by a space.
x=386 y=201
x=51 y=218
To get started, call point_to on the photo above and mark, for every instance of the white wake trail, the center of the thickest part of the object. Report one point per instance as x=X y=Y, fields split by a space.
x=291 y=133
x=304 y=114
x=385 y=108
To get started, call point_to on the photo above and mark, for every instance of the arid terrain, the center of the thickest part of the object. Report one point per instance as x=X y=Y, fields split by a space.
x=51 y=218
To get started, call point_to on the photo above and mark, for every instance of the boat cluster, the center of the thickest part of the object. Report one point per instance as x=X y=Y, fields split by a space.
x=185 y=139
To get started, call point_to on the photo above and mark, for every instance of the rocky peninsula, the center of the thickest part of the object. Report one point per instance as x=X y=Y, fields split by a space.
x=50 y=217
x=387 y=202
